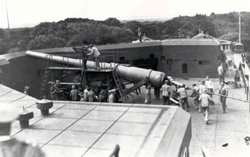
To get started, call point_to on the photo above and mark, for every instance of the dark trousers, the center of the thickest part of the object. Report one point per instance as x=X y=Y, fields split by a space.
x=184 y=103
x=223 y=102
x=165 y=100
x=221 y=78
x=97 y=63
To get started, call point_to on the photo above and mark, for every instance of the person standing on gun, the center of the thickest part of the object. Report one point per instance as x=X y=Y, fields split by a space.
x=96 y=54
x=223 y=91
x=84 y=51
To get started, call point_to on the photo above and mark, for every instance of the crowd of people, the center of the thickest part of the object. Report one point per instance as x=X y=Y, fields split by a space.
x=171 y=94
x=201 y=95
x=88 y=94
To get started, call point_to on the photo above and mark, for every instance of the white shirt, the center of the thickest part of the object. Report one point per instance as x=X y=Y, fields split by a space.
x=85 y=93
x=204 y=98
x=209 y=84
x=183 y=93
x=165 y=89
x=202 y=89
x=94 y=51
x=111 y=98
x=220 y=70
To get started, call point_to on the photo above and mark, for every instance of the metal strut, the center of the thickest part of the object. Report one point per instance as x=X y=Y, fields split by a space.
x=44 y=83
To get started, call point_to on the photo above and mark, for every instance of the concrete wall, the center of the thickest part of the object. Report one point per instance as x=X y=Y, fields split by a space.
x=22 y=71
x=200 y=60
x=200 y=55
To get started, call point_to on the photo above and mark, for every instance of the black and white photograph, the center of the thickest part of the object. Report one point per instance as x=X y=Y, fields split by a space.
x=124 y=78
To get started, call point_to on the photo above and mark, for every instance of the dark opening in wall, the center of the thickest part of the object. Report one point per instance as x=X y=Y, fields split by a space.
x=122 y=58
x=184 y=68
x=163 y=58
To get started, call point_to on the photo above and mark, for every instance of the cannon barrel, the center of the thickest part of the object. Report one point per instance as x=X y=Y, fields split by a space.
x=132 y=74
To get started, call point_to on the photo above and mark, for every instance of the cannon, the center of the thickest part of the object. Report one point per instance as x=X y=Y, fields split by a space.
x=129 y=73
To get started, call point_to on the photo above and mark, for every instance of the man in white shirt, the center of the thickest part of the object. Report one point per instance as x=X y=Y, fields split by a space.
x=111 y=97
x=223 y=91
x=221 y=73
x=202 y=89
x=209 y=86
x=205 y=99
x=96 y=54
x=165 y=92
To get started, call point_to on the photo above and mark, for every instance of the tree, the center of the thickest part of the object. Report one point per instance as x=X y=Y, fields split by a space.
x=212 y=14
x=113 y=22
x=2 y=34
x=46 y=41
x=133 y=26
x=4 y=47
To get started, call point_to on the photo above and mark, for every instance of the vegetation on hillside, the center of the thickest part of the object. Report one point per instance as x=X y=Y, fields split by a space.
x=77 y=31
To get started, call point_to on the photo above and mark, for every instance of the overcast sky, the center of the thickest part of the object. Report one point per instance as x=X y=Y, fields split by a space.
x=31 y=12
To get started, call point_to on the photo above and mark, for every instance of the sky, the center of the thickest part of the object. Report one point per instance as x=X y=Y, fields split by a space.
x=28 y=13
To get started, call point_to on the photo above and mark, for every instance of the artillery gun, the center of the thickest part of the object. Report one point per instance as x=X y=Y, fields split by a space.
x=111 y=75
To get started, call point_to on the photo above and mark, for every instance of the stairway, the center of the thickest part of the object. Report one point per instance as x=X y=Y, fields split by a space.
x=118 y=84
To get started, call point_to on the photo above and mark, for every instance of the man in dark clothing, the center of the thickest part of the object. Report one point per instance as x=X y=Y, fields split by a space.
x=223 y=91
x=55 y=90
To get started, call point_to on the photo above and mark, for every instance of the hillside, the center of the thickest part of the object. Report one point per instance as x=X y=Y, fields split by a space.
x=75 y=31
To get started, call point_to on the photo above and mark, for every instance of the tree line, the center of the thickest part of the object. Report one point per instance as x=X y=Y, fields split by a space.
x=77 y=31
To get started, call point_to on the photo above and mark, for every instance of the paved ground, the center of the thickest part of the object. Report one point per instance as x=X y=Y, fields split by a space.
x=230 y=128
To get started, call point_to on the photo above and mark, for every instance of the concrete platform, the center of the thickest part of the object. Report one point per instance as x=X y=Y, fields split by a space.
x=79 y=129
